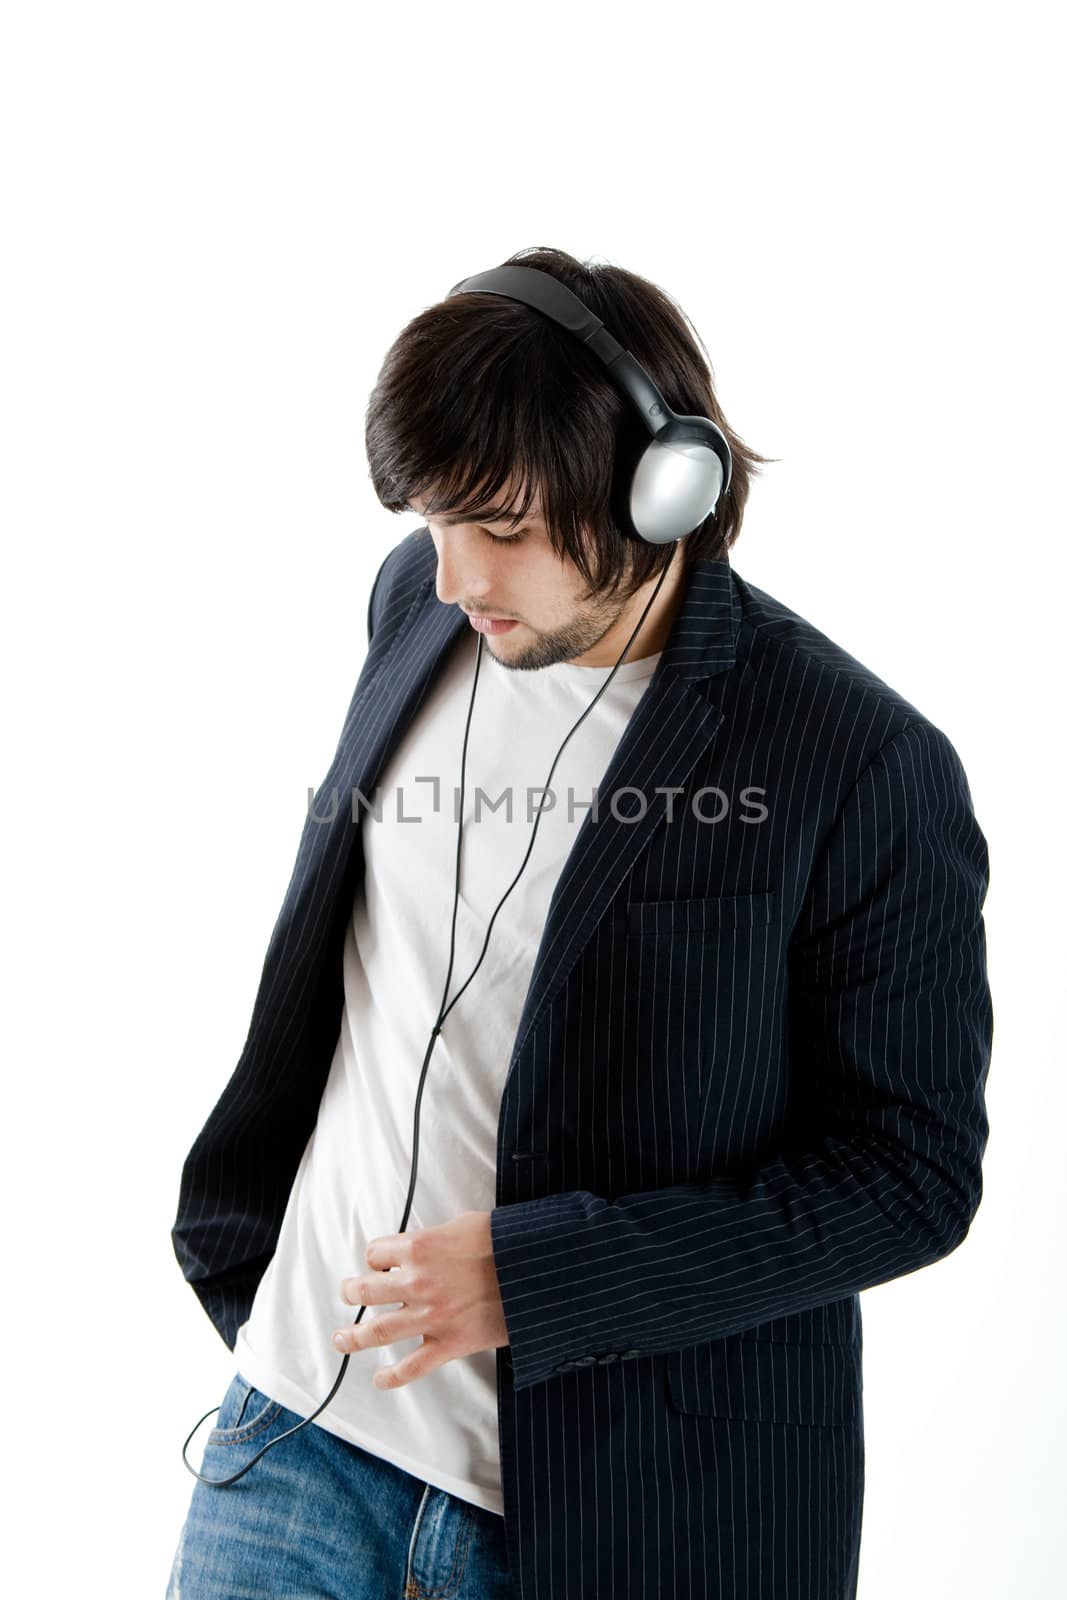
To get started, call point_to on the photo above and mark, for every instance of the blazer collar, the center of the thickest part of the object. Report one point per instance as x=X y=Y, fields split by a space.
x=703 y=640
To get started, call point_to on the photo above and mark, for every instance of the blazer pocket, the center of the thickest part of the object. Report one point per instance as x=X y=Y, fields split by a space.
x=762 y=1380
x=714 y=914
x=687 y=966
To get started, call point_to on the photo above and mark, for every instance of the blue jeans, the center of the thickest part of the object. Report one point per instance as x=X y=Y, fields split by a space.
x=318 y=1518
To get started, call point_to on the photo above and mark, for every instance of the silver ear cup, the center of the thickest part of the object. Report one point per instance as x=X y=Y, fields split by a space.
x=676 y=484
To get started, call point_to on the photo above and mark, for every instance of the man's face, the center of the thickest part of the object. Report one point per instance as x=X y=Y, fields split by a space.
x=518 y=575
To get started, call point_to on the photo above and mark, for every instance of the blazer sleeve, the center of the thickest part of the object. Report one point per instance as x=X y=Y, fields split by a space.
x=887 y=972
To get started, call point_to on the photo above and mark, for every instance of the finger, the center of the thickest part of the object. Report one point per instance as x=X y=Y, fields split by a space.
x=390 y=1251
x=375 y=1331
x=414 y=1366
x=380 y=1288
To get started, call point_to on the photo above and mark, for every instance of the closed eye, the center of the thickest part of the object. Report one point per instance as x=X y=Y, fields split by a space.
x=494 y=538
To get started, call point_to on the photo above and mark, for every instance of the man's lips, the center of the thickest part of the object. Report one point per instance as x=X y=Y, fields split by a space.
x=483 y=624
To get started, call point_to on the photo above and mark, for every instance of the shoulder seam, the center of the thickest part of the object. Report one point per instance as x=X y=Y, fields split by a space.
x=891 y=700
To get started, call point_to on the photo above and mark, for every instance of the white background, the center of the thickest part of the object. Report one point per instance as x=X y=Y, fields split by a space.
x=216 y=220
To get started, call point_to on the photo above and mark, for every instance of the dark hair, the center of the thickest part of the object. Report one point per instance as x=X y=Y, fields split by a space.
x=479 y=389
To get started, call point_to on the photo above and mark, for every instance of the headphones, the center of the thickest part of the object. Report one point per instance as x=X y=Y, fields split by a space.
x=664 y=486
x=661 y=490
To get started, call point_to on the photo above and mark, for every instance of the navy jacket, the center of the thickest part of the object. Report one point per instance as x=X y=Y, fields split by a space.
x=747 y=1083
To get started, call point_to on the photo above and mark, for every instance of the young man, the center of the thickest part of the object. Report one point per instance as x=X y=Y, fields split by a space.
x=712 y=1051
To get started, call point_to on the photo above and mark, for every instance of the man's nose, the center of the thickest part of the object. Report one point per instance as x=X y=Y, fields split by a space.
x=458 y=575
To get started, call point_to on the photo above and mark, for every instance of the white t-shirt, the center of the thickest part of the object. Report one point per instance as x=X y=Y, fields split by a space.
x=352 y=1181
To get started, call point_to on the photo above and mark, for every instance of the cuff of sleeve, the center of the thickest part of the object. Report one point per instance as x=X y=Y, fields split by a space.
x=538 y=1254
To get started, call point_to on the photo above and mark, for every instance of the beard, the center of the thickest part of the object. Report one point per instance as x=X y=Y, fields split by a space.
x=546 y=649
x=591 y=620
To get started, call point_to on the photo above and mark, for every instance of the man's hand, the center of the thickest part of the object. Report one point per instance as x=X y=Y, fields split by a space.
x=444 y=1279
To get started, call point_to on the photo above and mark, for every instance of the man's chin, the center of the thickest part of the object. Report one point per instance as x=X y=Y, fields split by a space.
x=510 y=651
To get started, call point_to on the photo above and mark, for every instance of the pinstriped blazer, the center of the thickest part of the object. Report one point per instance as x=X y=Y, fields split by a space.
x=747 y=1083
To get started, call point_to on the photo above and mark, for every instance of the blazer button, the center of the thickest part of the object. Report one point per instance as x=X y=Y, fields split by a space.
x=585 y=1361
x=625 y=1355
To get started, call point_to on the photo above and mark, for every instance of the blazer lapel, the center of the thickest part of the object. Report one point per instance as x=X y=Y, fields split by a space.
x=673 y=723
x=383 y=707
